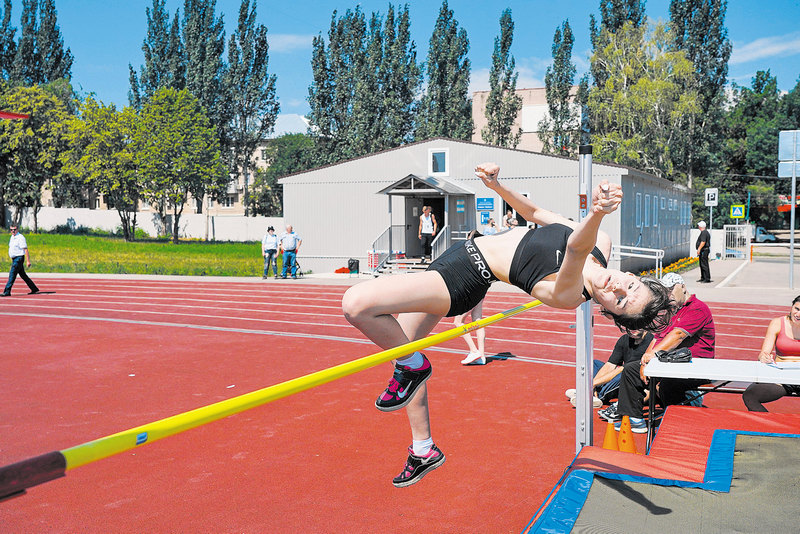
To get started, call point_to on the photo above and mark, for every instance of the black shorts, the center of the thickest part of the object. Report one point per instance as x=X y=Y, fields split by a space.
x=466 y=275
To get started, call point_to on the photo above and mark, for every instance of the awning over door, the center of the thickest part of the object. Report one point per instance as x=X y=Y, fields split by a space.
x=413 y=185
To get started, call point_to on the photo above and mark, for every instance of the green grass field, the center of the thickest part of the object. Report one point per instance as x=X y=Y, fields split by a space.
x=57 y=253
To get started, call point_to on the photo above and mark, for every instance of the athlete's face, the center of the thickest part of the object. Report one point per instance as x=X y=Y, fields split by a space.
x=794 y=313
x=620 y=293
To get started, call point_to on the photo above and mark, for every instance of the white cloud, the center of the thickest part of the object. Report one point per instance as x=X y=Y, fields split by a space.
x=285 y=42
x=290 y=123
x=778 y=46
x=526 y=79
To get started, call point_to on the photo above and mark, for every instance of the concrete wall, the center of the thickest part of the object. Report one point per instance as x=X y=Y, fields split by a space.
x=192 y=225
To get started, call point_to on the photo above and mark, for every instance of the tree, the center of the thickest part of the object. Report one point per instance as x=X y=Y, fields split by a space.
x=753 y=125
x=162 y=56
x=177 y=152
x=30 y=147
x=559 y=131
x=364 y=85
x=8 y=46
x=399 y=80
x=503 y=104
x=254 y=106
x=26 y=67
x=644 y=102
x=40 y=56
x=100 y=156
x=55 y=60
x=202 y=49
x=446 y=107
x=613 y=16
x=286 y=155
x=698 y=28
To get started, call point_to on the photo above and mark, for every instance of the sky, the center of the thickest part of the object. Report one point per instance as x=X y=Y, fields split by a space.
x=106 y=35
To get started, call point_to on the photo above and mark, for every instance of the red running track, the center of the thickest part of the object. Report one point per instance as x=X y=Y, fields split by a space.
x=99 y=356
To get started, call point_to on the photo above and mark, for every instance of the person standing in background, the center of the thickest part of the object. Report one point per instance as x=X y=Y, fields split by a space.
x=289 y=244
x=703 y=246
x=18 y=252
x=427 y=229
x=269 y=249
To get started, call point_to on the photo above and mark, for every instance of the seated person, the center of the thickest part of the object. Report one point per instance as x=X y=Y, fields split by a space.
x=691 y=327
x=782 y=339
x=629 y=348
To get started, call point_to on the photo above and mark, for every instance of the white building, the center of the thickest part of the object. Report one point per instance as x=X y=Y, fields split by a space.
x=342 y=210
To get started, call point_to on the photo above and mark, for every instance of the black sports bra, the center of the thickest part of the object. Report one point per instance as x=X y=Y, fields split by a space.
x=540 y=253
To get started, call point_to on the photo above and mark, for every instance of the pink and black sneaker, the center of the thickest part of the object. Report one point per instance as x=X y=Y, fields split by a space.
x=418 y=466
x=403 y=386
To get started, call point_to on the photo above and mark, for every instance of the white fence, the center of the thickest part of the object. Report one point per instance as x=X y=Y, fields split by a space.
x=192 y=225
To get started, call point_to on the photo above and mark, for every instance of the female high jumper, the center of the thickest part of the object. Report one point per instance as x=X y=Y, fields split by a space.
x=561 y=263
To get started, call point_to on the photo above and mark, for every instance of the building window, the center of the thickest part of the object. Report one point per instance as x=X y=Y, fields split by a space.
x=438 y=161
x=655 y=210
x=663 y=202
x=638 y=210
x=263 y=154
x=228 y=201
x=647 y=211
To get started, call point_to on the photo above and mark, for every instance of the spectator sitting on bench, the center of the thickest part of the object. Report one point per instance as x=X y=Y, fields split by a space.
x=629 y=348
x=781 y=343
x=691 y=327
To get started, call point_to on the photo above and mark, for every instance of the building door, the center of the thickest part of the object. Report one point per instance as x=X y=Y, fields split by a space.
x=413 y=248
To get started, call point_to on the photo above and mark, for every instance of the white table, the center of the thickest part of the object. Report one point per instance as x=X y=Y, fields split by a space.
x=719 y=369
x=728 y=370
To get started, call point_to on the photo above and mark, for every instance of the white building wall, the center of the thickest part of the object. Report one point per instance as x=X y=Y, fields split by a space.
x=338 y=213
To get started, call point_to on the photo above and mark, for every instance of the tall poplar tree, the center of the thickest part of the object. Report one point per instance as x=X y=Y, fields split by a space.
x=365 y=82
x=253 y=104
x=26 y=67
x=161 y=59
x=399 y=80
x=446 y=106
x=8 y=45
x=503 y=104
x=203 y=48
x=559 y=131
x=55 y=60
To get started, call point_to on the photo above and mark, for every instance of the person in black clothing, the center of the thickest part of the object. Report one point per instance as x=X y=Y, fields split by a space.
x=703 y=246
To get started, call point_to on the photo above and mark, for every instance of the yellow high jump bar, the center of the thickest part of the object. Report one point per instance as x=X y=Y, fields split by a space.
x=16 y=478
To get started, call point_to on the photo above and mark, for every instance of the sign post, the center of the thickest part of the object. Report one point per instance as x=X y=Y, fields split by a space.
x=787 y=157
x=712 y=199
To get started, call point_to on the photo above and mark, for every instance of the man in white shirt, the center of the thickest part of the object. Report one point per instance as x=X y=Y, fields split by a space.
x=289 y=244
x=18 y=252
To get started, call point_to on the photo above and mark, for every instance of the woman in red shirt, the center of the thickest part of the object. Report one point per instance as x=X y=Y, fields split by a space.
x=783 y=338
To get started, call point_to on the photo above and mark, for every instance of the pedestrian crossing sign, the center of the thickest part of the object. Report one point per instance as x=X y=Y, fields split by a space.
x=737 y=211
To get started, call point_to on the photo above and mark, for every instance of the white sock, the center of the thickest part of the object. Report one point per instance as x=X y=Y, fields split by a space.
x=422 y=447
x=414 y=361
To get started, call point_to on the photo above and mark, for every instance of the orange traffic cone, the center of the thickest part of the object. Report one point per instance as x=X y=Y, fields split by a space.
x=610 y=439
x=625 y=442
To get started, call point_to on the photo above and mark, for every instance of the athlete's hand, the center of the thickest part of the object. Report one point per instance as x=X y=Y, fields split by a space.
x=488 y=172
x=606 y=197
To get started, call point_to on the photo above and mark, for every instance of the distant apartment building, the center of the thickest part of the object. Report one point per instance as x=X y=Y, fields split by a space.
x=231 y=203
x=534 y=109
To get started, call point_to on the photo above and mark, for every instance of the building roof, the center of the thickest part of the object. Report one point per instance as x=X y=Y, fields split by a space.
x=424 y=185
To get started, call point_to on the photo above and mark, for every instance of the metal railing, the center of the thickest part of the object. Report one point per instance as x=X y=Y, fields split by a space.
x=625 y=251
x=383 y=246
x=441 y=242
